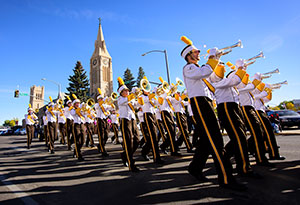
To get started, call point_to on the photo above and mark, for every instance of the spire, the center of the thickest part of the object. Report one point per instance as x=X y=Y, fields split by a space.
x=100 y=47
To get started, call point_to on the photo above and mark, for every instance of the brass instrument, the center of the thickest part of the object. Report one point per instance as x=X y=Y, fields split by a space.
x=269 y=74
x=138 y=92
x=60 y=102
x=174 y=88
x=159 y=91
x=252 y=60
x=228 y=49
x=114 y=96
x=145 y=85
x=90 y=102
x=278 y=85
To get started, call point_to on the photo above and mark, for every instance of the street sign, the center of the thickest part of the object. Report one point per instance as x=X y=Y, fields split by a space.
x=23 y=94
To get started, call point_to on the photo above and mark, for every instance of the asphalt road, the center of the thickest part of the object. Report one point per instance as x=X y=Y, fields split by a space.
x=36 y=177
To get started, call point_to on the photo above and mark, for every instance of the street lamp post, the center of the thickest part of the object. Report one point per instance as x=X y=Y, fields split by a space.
x=166 y=59
x=59 y=86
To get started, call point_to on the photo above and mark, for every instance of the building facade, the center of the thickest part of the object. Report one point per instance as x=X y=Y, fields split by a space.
x=101 y=75
x=37 y=97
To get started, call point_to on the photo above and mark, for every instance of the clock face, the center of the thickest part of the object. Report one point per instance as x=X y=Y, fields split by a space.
x=105 y=61
x=95 y=62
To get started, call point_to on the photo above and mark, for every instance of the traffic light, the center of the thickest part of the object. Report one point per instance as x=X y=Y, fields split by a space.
x=16 y=93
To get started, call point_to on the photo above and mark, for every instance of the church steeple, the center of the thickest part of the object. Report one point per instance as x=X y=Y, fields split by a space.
x=100 y=67
x=100 y=47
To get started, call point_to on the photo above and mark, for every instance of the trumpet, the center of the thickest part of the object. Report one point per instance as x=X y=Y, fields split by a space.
x=269 y=74
x=228 y=49
x=278 y=85
x=145 y=85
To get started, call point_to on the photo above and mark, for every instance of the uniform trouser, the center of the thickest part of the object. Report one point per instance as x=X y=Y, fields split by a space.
x=115 y=130
x=135 y=134
x=78 y=139
x=161 y=130
x=126 y=129
x=101 y=126
x=196 y=134
x=232 y=119
x=170 y=127
x=182 y=125
x=62 y=130
x=51 y=134
x=211 y=141
x=89 y=133
x=269 y=134
x=152 y=140
x=105 y=130
x=255 y=142
x=46 y=134
x=144 y=131
x=30 y=133
x=69 y=132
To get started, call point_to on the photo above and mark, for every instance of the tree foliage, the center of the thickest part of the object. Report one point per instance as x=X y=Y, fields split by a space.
x=79 y=83
x=141 y=74
x=128 y=79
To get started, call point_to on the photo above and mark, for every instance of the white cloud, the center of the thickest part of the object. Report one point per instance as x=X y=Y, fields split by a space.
x=272 y=42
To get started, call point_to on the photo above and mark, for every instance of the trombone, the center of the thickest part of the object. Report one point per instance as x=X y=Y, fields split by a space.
x=278 y=85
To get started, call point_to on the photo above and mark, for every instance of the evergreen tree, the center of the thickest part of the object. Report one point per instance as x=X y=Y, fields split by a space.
x=128 y=79
x=141 y=74
x=78 y=83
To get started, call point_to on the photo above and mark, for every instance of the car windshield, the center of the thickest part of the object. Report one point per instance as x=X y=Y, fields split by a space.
x=288 y=113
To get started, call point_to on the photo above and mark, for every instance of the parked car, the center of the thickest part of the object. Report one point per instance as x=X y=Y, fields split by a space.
x=288 y=118
x=23 y=131
x=17 y=131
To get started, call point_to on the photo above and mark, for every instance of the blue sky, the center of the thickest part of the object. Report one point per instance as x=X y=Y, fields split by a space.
x=45 y=39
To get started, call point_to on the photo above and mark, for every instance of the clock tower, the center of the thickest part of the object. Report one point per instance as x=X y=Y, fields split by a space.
x=100 y=68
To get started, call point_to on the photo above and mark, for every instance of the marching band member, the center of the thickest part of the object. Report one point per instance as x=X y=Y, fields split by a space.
x=135 y=105
x=160 y=124
x=211 y=141
x=259 y=93
x=78 y=128
x=246 y=99
x=143 y=128
x=30 y=119
x=62 y=125
x=89 y=117
x=196 y=133
x=181 y=121
x=115 y=126
x=167 y=111
x=52 y=118
x=101 y=116
x=149 y=118
x=126 y=116
x=70 y=122
x=45 y=122
x=231 y=117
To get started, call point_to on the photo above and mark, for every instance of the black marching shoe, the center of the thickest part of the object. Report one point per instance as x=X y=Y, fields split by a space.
x=52 y=151
x=198 y=176
x=146 y=157
x=277 y=158
x=135 y=169
x=176 y=154
x=251 y=174
x=266 y=164
x=190 y=151
x=234 y=186
x=125 y=163
x=80 y=158
x=160 y=161
x=105 y=154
